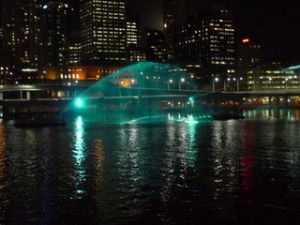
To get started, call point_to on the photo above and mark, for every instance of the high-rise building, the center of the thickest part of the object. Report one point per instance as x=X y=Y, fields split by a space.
x=208 y=42
x=103 y=30
x=249 y=62
x=56 y=30
x=218 y=55
x=249 y=55
x=174 y=15
x=22 y=35
x=156 y=46
x=188 y=45
x=133 y=38
x=73 y=52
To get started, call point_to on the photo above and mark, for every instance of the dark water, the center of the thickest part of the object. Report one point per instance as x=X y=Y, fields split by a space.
x=214 y=172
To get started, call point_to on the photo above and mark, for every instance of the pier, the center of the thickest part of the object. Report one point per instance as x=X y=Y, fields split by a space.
x=57 y=98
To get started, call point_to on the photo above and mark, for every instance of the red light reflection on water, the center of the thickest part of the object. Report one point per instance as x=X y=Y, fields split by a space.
x=247 y=161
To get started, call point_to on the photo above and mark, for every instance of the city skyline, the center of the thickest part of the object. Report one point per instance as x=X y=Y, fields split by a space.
x=273 y=24
x=204 y=41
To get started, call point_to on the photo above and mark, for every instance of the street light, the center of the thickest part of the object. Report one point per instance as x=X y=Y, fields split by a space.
x=216 y=79
x=286 y=83
x=238 y=84
x=179 y=84
x=132 y=82
x=169 y=82
x=226 y=82
x=270 y=79
x=120 y=85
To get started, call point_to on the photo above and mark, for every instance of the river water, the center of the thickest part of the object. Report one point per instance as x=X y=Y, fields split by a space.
x=214 y=172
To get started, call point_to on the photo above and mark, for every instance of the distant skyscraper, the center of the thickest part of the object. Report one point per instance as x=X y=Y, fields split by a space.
x=133 y=38
x=189 y=41
x=249 y=55
x=133 y=29
x=22 y=36
x=249 y=63
x=174 y=14
x=218 y=55
x=156 y=46
x=74 y=52
x=103 y=30
x=56 y=29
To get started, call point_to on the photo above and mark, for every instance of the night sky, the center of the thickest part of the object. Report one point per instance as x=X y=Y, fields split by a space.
x=275 y=24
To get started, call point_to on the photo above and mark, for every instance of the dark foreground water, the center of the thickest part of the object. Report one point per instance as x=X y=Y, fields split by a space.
x=214 y=172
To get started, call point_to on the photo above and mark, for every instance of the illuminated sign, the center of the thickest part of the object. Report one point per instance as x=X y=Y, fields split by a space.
x=246 y=40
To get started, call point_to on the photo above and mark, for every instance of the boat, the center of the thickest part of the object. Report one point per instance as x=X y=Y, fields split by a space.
x=39 y=121
x=227 y=114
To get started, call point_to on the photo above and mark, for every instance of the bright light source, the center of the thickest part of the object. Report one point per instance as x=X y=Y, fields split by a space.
x=79 y=103
x=191 y=100
x=246 y=40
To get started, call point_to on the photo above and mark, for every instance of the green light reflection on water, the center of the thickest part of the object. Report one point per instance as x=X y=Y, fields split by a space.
x=79 y=155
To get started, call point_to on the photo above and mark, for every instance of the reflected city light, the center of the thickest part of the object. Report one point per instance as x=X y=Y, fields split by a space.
x=79 y=154
x=99 y=158
x=191 y=151
x=191 y=120
x=2 y=152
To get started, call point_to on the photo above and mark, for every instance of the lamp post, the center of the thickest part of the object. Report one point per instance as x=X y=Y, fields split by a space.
x=132 y=82
x=216 y=79
x=270 y=80
x=120 y=85
x=179 y=84
x=169 y=82
x=238 y=83
x=286 y=83
x=226 y=82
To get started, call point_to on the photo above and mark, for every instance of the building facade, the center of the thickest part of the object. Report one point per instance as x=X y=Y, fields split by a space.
x=156 y=46
x=272 y=76
x=133 y=38
x=208 y=42
x=103 y=30
x=249 y=61
x=174 y=15
x=22 y=36
x=218 y=55
x=56 y=30
x=188 y=45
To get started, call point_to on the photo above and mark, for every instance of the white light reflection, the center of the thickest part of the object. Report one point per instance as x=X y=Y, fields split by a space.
x=225 y=143
x=191 y=151
x=79 y=156
x=180 y=156
x=128 y=156
x=168 y=170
